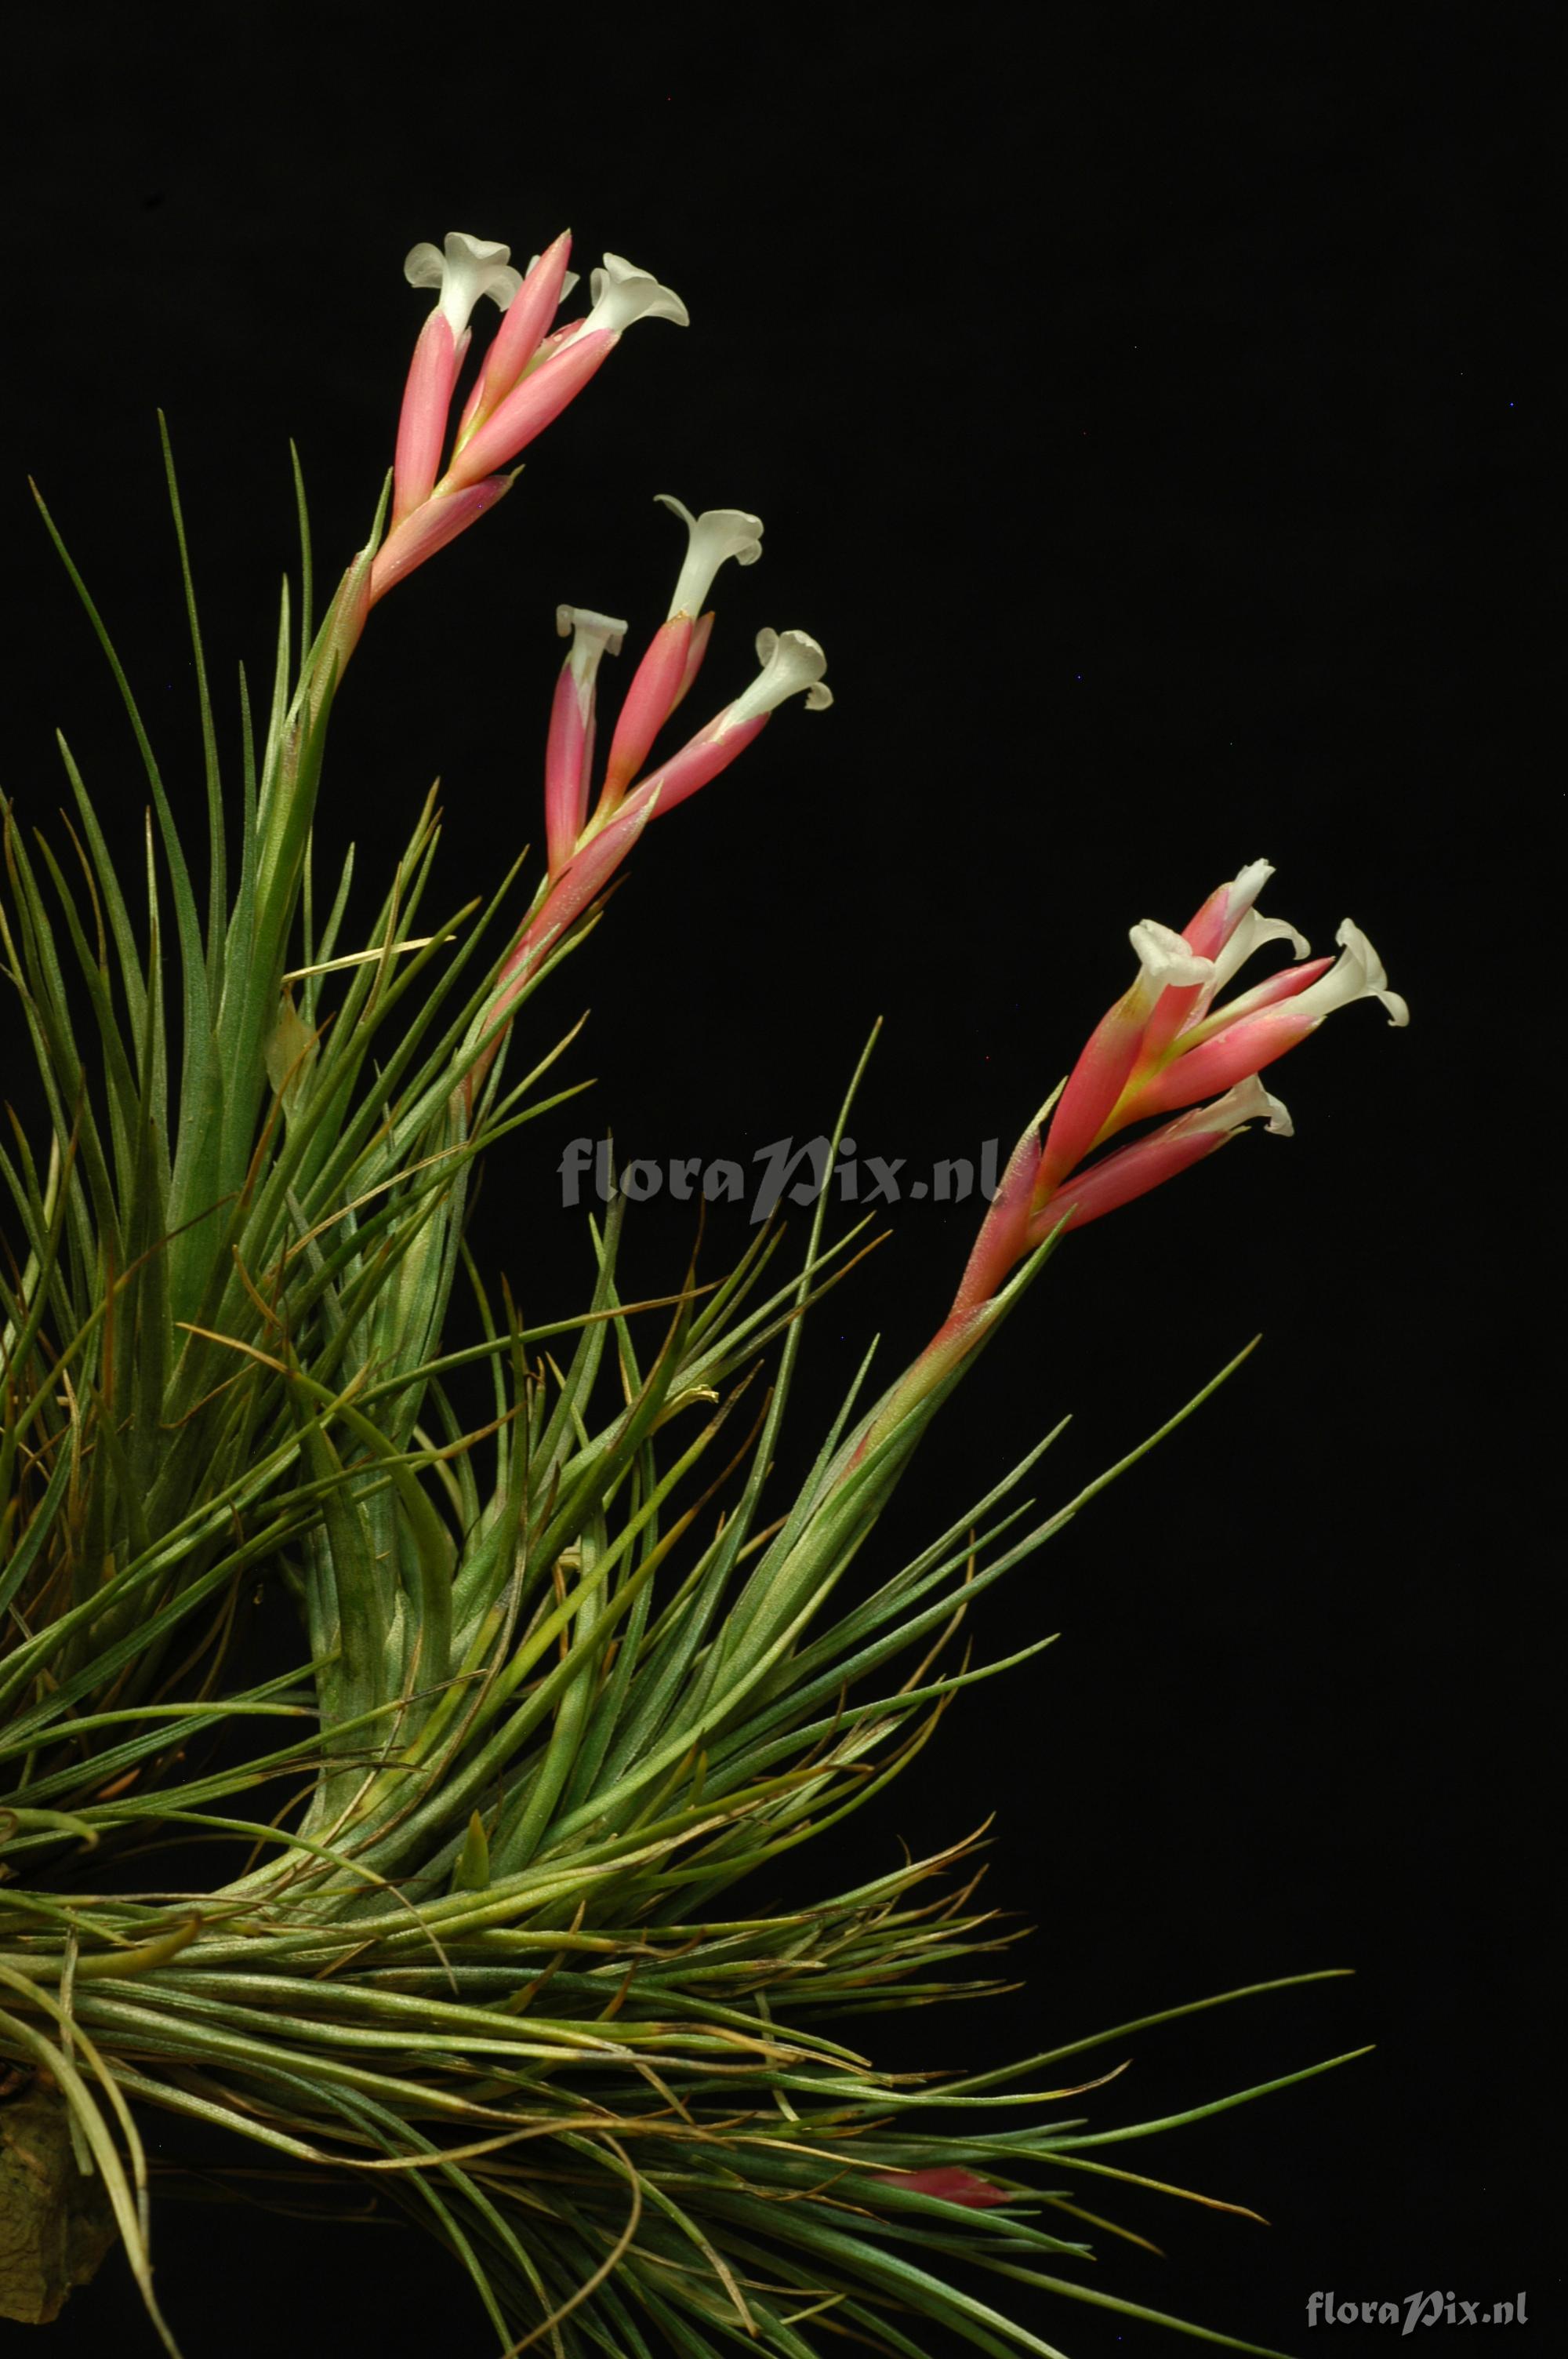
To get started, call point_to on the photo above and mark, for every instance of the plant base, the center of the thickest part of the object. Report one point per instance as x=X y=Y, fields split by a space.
x=56 y=2223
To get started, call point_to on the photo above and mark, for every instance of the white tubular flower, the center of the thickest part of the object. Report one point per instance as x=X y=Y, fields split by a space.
x=1166 y=958
x=1247 y=1101
x=1252 y=930
x=592 y=635
x=716 y=534
x=470 y=268
x=622 y=293
x=1229 y=928
x=791 y=661
x=1356 y=973
x=1243 y=890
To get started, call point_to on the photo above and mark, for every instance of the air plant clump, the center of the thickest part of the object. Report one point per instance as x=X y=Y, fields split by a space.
x=566 y=1676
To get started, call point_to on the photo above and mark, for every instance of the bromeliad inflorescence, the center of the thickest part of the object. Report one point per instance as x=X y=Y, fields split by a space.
x=529 y=375
x=584 y=851
x=1166 y=1044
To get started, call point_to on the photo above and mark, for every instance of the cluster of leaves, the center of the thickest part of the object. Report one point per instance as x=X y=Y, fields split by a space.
x=564 y=1678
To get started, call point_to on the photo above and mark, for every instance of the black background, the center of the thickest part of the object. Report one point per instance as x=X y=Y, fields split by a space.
x=1143 y=410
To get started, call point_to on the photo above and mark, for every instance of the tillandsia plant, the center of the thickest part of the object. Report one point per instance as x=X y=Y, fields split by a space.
x=565 y=1675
